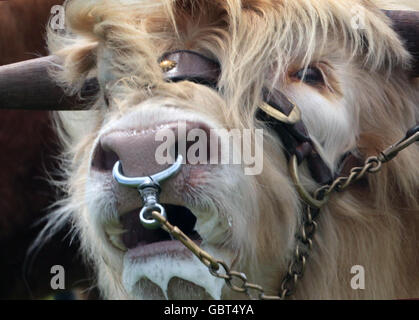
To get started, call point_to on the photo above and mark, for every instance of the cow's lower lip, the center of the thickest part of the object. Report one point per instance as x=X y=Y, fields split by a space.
x=168 y=270
x=171 y=248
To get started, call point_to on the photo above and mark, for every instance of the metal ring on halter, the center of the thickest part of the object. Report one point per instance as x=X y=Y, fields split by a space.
x=304 y=194
x=136 y=182
x=151 y=223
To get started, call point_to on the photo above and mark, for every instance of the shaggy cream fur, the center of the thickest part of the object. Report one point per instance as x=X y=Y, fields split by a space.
x=368 y=103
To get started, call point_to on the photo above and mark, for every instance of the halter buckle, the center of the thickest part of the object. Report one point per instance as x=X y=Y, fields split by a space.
x=293 y=118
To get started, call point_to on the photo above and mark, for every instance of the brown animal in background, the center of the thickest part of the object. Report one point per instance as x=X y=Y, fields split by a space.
x=28 y=145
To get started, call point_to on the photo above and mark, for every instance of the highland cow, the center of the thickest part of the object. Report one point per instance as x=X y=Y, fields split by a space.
x=347 y=65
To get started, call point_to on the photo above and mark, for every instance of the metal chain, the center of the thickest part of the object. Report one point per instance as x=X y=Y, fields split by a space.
x=215 y=266
x=371 y=165
x=302 y=250
x=304 y=237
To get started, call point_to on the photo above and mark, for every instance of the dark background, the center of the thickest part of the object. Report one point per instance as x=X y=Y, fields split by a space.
x=27 y=149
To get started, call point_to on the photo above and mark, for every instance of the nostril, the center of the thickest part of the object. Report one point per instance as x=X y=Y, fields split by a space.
x=142 y=154
x=104 y=160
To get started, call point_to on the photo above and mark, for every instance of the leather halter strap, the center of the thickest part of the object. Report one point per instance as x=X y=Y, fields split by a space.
x=185 y=65
x=191 y=66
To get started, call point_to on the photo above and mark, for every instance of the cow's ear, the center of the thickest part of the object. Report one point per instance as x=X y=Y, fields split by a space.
x=406 y=24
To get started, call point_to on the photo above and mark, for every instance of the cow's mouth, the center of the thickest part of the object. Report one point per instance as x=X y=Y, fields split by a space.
x=131 y=234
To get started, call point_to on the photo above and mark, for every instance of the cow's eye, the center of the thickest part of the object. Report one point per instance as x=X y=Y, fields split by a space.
x=311 y=75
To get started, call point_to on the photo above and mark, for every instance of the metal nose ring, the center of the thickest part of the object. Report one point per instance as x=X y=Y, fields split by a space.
x=149 y=189
x=137 y=182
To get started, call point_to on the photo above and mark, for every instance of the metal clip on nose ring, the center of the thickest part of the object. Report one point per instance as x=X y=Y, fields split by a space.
x=149 y=189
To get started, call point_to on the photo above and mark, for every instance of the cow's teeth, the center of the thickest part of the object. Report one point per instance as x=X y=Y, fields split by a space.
x=117 y=242
x=114 y=229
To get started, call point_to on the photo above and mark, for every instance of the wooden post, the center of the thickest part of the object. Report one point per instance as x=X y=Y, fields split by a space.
x=28 y=86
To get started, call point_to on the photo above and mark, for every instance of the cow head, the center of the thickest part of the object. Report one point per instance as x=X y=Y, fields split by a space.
x=341 y=62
